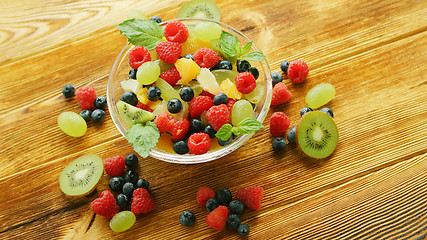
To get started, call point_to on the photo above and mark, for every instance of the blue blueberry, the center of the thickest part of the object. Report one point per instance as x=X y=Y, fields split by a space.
x=129 y=97
x=223 y=196
x=116 y=183
x=327 y=111
x=142 y=183
x=224 y=143
x=156 y=19
x=132 y=73
x=122 y=200
x=186 y=94
x=128 y=189
x=86 y=115
x=131 y=160
x=98 y=115
x=68 y=91
x=278 y=144
x=254 y=72
x=211 y=204
x=224 y=64
x=305 y=110
x=196 y=125
x=233 y=221
x=153 y=93
x=210 y=131
x=180 y=147
x=174 y=105
x=131 y=176
x=276 y=77
x=187 y=218
x=291 y=135
x=284 y=66
x=236 y=206
x=189 y=56
x=220 y=98
x=243 y=230
x=243 y=66
x=100 y=102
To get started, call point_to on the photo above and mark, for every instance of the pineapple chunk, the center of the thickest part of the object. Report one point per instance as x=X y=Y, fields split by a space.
x=230 y=89
x=188 y=70
x=208 y=81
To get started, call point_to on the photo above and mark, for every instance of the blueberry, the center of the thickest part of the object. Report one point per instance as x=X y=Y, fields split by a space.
x=132 y=73
x=86 y=115
x=278 y=144
x=276 y=77
x=284 y=66
x=142 y=183
x=236 y=206
x=131 y=176
x=174 y=105
x=189 y=56
x=180 y=147
x=233 y=221
x=291 y=135
x=196 y=125
x=131 y=160
x=129 y=97
x=122 y=200
x=224 y=143
x=210 y=131
x=305 y=110
x=116 y=183
x=243 y=230
x=243 y=66
x=98 y=115
x=187 y=218
x=128 y=189
x=186 y=94
x=156 y=19
x=224 y=64
x=220 y=98
x=254 y=72
x=100 y=102
x=153 y=93
x=68 y=91
x=223 y=196
x=327 y=111
x=211 y=204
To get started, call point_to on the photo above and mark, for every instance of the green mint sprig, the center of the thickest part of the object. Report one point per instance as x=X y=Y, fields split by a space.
x=143 y=138
x=230 y=45
x=146 y=33
x=246 y=126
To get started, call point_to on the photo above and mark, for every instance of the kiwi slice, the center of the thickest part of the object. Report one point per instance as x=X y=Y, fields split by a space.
x=132 y=115
x=80 y=177
x=200 y=9
x=317 y=135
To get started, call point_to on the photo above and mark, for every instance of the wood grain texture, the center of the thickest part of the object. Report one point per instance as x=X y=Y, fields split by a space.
x=373 y=187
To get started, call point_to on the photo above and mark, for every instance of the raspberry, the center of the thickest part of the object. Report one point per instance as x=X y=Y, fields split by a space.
x=230 y=103
x=86 y=97
x=115 y=166
x=164 y=122
x=171 y=76
x=203 y=195
x=199 y=143
x=208 y=94
x=279 y=122
x=281 y=94
x=143 y=107
x=142 y=202
x=297 y=71
x=218 y=116
x=245 y=82
x=176 y=31
x=169 y=52
x=206 y=57
x=138 y=56
x=198 y=105
x=218 y=217
x=180 y=129
x=251 y=197
x=105 y=205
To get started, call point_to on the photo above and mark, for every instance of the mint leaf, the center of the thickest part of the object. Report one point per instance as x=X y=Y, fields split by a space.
x=143 y=138
x=243 y=50
x=249 y=125
x=146 y=33
x=235 y=131
x=224 y=133
x=254 y=56
x=229 y=44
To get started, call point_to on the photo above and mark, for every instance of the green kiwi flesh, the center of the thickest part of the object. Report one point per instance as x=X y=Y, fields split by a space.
x=206 y=9
x=132 y=115
x=317 y=135
x=81 y=176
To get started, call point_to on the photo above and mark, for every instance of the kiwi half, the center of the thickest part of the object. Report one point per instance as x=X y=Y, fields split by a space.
x=317 y=135
x=132 y=115
x=200 y=9
x=80 y=177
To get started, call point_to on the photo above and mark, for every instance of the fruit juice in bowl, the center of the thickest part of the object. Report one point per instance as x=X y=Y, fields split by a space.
x=177 y=110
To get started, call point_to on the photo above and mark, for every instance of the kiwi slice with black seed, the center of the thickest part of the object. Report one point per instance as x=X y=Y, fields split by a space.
x=317 y=135
x=200 y=9
x=80 y=177
x=132 y=115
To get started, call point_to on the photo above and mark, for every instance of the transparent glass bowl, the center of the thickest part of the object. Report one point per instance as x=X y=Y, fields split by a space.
x=120 y=72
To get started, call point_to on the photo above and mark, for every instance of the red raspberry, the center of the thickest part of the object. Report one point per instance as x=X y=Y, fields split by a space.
x=279 y=122
x=180 y=129
x=164 y=122
x=217 y=218
x=142 y=202
x=171 y=76
x=115 y=166
x=199 y=143
x=203 y=195
x=206 y=93
x=143 y=107
x=206 y=57
x=297 y=71
x=86 y=97
x=230 y=104
x=138 y=56
x=105 y=205
x=245 y=82
x=251 y=197
x=198 y=105
x=218 y=116
x=176 y=31
x=169 y=52
x=281 y=94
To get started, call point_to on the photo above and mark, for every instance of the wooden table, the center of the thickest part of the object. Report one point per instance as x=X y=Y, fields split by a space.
x=374 y=186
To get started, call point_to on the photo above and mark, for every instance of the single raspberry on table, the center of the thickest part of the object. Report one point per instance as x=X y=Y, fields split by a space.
x=138 y=56
x=115 y=166
x=245 y=82
x=230 y=103
x=180 y=129
x=281 y=94
x=251 y=197
x=171 y=76
x=169 y=52
x=199 y=143
x=142 y=106
x=105 y=205
x=176 y=31
x=279 y=122
x=203 y=195
x=217 y=218
x=297 y=71
x=218 y=116
x=164 y=122
x=86 y=97
x=142 y=201
x=198 y=105
x=206 y=57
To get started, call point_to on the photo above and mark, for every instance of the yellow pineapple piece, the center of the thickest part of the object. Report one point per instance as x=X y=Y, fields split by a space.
x=155 y=104
x=192 y=45
x=230 y=89
x=188 y=70
x=141 y=94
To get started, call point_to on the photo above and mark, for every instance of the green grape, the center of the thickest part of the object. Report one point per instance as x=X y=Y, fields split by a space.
x=207 y=31
x=256 y=95
x=163 y=66
x=148 y=73
x=137 y=15
x=122 y=221
x=241 y=109
x=222 y=74
x=168 y=92
x=72 y=124
x=319 y=95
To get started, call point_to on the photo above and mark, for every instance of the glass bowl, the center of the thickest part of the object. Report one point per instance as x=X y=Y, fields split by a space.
x=120 y=72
